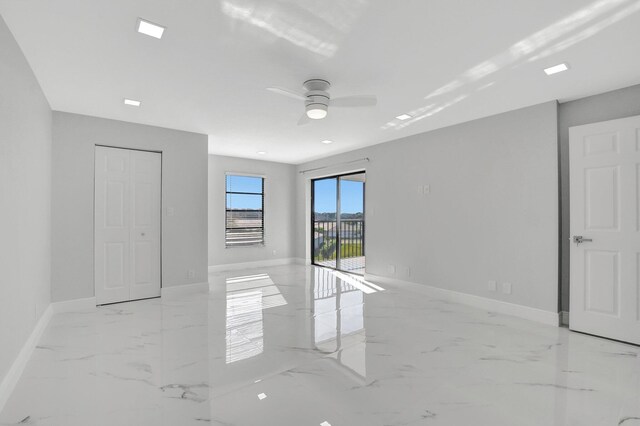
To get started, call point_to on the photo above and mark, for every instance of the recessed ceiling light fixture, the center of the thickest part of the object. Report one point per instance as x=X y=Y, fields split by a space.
x=403 y=117
x=262 y=396
x=261 y=152
x=132 y=102
x=327 y=142
x=150 y=29
x=556 y=69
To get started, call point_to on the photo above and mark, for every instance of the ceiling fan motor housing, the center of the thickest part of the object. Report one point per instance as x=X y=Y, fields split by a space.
x=317 y=94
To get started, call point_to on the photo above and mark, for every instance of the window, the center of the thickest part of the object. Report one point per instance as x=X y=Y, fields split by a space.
x=244 y=211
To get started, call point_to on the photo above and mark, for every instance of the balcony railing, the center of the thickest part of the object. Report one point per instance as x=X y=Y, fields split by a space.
x=325 y=238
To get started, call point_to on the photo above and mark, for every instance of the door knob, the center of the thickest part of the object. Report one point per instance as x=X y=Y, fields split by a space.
x=580 y=239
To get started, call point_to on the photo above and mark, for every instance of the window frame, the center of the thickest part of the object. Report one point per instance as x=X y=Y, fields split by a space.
x=262 y=243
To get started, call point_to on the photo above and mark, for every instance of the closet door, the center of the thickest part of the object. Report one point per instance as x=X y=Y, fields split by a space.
x=127 y=224
x=145 y=224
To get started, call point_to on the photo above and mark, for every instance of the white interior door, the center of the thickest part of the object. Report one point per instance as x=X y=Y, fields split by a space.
x=127 y=224
x=605 y=212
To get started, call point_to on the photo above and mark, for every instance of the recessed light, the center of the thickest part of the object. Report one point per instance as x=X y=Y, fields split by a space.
x=261 y=396
x=325 y=423
x=150 y=29
x=132 y=102
x=556 y=69
x=403 y=117
x=327 y=142
x=262 y=152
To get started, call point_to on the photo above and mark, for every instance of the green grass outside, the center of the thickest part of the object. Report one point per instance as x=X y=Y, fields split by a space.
x=347 y=250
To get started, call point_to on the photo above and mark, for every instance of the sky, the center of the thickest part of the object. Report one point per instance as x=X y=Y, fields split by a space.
x=324 y=196
x=351 y=197
x=244 y=184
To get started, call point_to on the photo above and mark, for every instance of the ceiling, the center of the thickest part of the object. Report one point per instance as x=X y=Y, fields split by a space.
x=443 y=61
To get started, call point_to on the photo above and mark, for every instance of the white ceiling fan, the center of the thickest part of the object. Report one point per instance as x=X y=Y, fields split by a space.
x=317 y=99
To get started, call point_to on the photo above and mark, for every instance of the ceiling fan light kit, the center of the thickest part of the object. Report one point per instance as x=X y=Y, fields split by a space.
x=316 y=111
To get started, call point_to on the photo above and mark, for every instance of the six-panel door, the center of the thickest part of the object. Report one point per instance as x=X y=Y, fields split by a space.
x=127 y=224
x=605 y=212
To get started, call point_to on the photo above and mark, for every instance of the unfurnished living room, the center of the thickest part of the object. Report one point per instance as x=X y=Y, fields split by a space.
x=322 y=213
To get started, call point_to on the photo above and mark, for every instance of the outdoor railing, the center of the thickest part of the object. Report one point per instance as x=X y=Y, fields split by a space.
x=325 y=235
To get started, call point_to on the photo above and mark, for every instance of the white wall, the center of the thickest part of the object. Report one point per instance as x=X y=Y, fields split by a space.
x=606 y=106
x=492 y=213
x=25 y=197
x=184 y=189
x=279 y=210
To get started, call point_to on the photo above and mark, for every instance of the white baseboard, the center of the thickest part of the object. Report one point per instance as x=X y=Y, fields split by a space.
x=256 y=264
x=85 y=304
x=181 y=290
x=9 y=382
x=492 y=305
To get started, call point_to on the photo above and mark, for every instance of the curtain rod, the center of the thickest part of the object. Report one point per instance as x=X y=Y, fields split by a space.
x=335 y=165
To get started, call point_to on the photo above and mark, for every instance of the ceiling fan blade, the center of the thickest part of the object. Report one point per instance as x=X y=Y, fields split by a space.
x=304 y=120
x=354 y=101
x=286 y=92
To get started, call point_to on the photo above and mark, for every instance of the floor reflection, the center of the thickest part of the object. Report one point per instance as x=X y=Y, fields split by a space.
x=338 y=317
x=247 y=297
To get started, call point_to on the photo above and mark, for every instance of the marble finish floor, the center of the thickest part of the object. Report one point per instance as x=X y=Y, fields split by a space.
x=354 y=265
x=295 y=346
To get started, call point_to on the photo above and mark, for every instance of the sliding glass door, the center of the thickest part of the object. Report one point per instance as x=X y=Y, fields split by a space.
x=337 y=215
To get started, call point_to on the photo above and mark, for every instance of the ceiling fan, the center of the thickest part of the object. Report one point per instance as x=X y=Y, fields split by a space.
x=317 y=99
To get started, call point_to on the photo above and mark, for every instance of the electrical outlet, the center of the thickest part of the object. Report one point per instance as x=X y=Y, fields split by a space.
x=274 y=252
x=426 y=189
x=506 y=288
x=391 y=269
x=492 y=286
x=191 y=274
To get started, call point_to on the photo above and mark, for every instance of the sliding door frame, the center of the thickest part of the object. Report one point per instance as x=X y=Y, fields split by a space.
x=338 y=236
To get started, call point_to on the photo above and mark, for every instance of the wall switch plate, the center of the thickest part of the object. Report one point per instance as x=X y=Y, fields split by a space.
x=492 y=286
x=170 y=211
x=426 y=189
x=191 y=273
x=274 y=252
x=391 y=269
x=506 y=288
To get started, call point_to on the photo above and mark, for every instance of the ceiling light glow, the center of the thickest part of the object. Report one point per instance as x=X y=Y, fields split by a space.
x=556 y=69
x=327 y=142
x=132 y=102
x=261 y=396
x=316 y=113
x=150 y=29
x=261 y=152
x=403 y=117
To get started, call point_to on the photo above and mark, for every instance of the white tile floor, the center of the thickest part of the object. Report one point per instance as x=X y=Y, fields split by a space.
x=355 y=265
x=293 y=345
